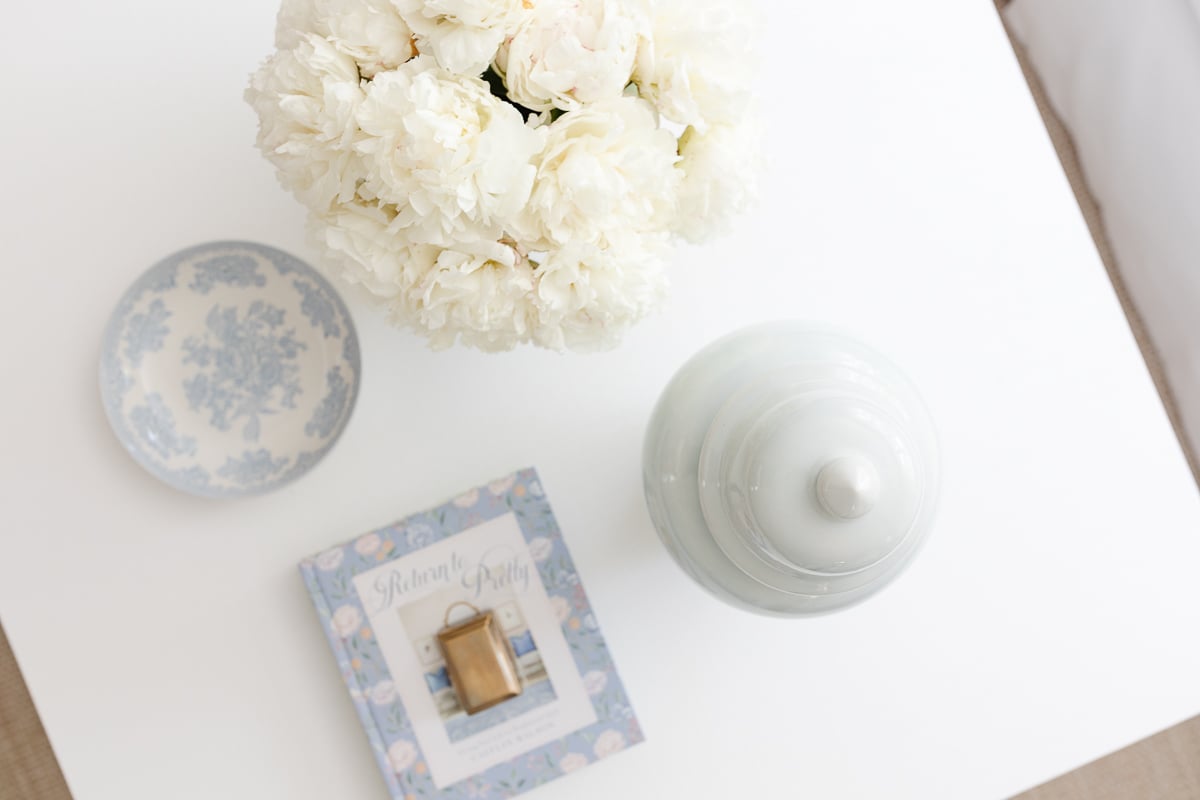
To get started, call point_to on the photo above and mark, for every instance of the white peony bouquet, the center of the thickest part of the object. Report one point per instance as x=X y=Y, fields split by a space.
x=507 y=171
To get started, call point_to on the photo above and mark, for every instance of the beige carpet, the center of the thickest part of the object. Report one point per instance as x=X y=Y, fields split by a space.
x=1164 y=767
x=28 y=769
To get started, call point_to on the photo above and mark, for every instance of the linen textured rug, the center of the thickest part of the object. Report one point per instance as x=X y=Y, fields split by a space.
x=28 y=769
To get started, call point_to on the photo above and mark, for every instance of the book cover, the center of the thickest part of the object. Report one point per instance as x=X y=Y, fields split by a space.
x=383 y=598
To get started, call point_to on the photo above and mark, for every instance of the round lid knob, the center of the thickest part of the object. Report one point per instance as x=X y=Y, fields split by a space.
x=848 y=487
x=791 y=469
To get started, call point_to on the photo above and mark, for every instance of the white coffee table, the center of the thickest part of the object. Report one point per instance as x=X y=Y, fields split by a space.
x=913 y=199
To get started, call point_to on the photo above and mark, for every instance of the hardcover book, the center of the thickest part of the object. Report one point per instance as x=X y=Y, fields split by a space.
x=494 y=556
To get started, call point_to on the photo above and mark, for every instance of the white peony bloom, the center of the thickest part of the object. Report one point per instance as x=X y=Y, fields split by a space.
x=371 y=32
x=588 y=296
x=295 y=19
x=478 y=294
x=478 y=291
x=697 y=63
x=606 y=168
x=455 y=161
x=306 y=99
x=360 y=243
x=463 y=35
x=720 y=170
x=570 y=52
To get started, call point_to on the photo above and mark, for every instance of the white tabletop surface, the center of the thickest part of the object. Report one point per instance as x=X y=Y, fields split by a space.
x=913 y=199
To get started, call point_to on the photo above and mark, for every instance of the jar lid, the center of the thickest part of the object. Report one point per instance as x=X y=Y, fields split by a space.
x=791 y=469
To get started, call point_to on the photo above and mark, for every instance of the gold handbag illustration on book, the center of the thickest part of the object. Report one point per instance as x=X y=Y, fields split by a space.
x=479 y=660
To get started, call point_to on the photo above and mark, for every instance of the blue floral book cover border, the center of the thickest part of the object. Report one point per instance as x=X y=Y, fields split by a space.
x=381 y=599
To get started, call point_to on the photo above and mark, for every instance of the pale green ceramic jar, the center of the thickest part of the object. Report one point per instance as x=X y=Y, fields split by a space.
x=791 y=470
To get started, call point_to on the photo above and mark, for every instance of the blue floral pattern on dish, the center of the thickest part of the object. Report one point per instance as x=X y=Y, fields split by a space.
x=155 y=425
x=330 y=409
x=147 y=332
x=231 y=270
x=222 y=376
x=318 y=308
x=252 y=468
x=248 y=366
x=160 y=278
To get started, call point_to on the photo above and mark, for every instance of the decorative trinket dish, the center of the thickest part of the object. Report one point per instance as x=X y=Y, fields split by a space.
x=791 y=470
x=229 y=369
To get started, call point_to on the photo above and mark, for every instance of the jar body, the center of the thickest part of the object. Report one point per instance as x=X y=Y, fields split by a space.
x=791 y=470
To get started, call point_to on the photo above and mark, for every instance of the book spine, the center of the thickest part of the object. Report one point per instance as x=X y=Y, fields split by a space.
x=357 y=692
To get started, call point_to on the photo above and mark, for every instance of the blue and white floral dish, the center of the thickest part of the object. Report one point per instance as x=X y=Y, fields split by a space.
x=229 y=369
